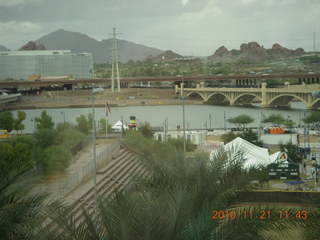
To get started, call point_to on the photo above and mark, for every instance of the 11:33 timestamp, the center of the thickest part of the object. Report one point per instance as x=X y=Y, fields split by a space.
x=262 y=214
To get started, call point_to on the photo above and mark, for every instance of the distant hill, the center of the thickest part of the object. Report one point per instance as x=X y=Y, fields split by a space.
x=253 y=52
x=101 y=50
x=30 y=46
x=167 y=55
x=3 y=48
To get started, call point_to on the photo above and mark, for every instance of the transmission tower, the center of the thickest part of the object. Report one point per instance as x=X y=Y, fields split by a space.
x=115 y=64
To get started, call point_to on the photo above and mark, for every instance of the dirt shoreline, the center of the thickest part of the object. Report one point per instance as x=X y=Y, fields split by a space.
x=83 y=99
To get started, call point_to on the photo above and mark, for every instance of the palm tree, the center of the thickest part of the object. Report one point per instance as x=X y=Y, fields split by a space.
x=177 y=199
x=19 y=213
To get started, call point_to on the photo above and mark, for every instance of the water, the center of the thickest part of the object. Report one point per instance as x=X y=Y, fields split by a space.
x=197 y=116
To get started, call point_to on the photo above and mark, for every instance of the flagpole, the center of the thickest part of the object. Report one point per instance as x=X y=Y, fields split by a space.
x=106 y=122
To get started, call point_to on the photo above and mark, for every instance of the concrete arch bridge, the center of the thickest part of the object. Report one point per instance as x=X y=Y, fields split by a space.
x=268 y=97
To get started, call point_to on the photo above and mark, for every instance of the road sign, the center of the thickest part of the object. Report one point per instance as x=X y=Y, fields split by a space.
x=282 y=157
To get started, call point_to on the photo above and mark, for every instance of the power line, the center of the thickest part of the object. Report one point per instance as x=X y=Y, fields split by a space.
x=115 y=61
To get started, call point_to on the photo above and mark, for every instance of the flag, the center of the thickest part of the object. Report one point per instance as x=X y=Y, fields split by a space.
x=107 y=109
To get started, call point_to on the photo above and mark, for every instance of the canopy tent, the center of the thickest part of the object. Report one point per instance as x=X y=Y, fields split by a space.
x=253 y=155
x=118 y=126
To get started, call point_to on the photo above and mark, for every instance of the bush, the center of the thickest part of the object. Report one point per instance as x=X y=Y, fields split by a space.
x=15 y=155
x=178 y=144
x=57 y=159
x=44 y=137
x=69 y=137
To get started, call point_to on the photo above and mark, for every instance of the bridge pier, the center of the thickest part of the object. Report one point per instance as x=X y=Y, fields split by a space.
x=264 y=100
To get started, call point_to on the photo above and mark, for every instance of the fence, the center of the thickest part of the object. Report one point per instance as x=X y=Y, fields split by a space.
x=80 y=170
x=82 y=144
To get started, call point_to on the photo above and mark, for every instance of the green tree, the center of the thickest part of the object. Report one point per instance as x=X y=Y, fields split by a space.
x=45 y=121
x=84 y=124
x=146 y=129
x=241 y=121
x=19 y=213
x=178 y=144
x=102 y=126
x=15 y=153
x=90 y=120
x=6 y=121
x=68 y=137
x=44 y=137
x=274 y=119
x=60 y=127
x=314 y=119
x=251 y=136
x=293 y=152
x=57 y=159
x=21 y=116
x=228 y=137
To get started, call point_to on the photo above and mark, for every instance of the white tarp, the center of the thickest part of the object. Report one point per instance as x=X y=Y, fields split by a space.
x=118 y=126
x=252 y=154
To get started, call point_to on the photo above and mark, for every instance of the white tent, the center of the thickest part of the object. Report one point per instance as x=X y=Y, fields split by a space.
x=252 y=154
x=118 y=126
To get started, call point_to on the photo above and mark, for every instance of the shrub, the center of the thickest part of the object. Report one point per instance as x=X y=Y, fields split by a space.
x=57 y=159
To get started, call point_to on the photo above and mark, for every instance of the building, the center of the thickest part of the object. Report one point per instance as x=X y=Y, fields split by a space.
x=19 y=65
x=196 y=137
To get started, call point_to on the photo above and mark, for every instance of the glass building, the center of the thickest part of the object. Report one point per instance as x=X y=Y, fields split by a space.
x=18 y=65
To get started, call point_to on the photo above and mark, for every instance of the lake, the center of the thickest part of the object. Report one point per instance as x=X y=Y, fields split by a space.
x=197 y=116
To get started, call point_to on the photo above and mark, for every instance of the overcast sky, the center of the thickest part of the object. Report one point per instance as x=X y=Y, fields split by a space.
x=188 y=27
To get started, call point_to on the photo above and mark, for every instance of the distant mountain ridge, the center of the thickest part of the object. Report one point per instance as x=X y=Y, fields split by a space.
x=101 y=50
x=167 y=55
x=253 y=52
x=3 y=48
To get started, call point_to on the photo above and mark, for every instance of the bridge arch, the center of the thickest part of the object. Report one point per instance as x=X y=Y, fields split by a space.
x=246 y=98
x=285 y=99
x=219 y=98
x=315 y=103
x=196 y=95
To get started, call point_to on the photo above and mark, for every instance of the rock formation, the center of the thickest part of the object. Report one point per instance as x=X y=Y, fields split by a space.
x=32 y=46
x=254 y=53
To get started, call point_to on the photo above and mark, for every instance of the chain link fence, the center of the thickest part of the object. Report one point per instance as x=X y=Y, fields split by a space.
x=81 y=169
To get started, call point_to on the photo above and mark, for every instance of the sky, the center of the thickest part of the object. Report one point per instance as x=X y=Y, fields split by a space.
x=187 y=27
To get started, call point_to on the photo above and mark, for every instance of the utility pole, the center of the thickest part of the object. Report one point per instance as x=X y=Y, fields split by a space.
x=183 y=117
x=314 y=43
x=224 y=121
x=94 y=154
x=115 y=60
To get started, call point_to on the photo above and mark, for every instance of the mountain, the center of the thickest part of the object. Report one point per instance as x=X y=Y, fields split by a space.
x=30 y=46
x=101 y=50
x=253 y=52
x=167 y=55
x=3 y=48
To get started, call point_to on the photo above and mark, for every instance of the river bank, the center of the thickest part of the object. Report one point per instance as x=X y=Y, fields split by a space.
x=83 y=99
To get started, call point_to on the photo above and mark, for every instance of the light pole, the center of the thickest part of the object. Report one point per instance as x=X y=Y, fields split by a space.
x=64 y=116
x=34 y=124
x=94 y=154
x=183 y=117
x=225 y=124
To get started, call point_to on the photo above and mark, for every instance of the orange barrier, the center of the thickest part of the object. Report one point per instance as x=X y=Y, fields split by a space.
x=276 y=130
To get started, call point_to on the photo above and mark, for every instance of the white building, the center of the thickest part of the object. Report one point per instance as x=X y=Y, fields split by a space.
x=196 y=137
x=18 y=65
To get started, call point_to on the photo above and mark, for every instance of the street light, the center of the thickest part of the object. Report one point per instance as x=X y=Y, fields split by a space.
x=64 y=116
x=183 y=117
x=94 y=154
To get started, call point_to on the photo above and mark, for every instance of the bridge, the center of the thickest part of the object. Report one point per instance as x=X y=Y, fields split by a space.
x=268 y=97
x=239 y=80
